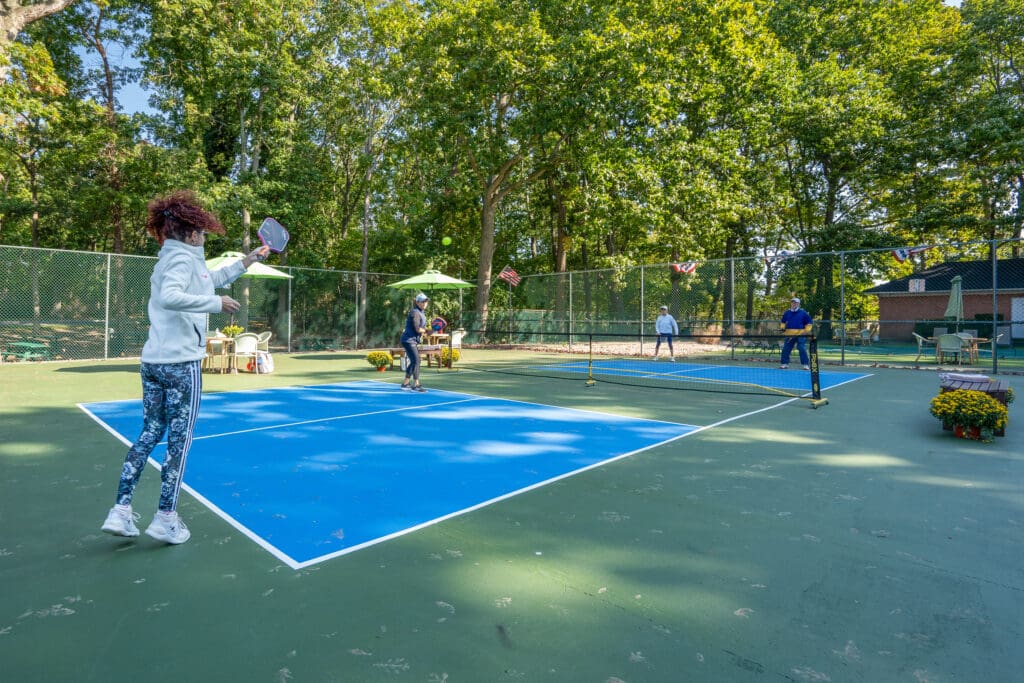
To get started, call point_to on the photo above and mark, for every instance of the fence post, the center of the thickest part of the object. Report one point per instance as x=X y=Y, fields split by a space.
x=642 y=309
x=842 y=308
x=994 y=248
x=570 y=312
x=290 y=311
x=106 y=315
x=732 y=296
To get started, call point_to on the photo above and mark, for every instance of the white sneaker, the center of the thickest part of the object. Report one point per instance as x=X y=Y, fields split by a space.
x=672 y=358
x=168 y=528
x=783 y=367
x=807 y=367
x=121 y=523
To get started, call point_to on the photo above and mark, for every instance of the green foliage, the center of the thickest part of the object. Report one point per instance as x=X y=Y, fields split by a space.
x=563 y=135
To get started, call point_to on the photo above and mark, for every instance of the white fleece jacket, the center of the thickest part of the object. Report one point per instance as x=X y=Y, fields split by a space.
x=181 y=294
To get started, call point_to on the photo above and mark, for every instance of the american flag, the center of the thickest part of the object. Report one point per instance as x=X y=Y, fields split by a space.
x=686 y=267
x=903 y=254
x=510 y=276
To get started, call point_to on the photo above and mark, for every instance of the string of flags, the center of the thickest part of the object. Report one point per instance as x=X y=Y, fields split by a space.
x=904 y=253
x=780 y=255
x=510 y=276
x=689 y=267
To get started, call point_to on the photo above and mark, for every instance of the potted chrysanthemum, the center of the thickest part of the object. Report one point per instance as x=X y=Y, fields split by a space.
x=379 y=359
x=972 y=414
x=449 y=356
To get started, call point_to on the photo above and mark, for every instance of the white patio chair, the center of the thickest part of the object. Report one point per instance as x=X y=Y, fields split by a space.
x=921 y=343
x=245 y=348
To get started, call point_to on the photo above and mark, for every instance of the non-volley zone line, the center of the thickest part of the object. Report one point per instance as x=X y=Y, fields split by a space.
x=788 y=381
x=308 y=488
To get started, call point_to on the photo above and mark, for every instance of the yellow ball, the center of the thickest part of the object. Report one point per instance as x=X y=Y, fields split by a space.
x=446 y=241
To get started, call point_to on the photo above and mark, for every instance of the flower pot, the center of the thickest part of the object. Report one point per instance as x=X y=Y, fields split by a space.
x=967 y=432
x=382 y=368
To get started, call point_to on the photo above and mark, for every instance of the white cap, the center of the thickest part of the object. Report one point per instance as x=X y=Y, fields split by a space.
x=795 y=299
x=664 y=308
x=422 y=297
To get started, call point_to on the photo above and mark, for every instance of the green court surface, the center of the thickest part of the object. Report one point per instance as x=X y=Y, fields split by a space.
x=854 y=542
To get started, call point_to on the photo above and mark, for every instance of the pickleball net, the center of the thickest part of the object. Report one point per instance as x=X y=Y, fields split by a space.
x=714 y=363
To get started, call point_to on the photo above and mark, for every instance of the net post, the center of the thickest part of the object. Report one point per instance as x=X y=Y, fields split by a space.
x=590 y=360
x=816 y=399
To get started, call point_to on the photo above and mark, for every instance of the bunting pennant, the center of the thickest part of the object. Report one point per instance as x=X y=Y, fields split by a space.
x=510 y=276
x=904 y=253
x=686 y=267
x=780 y=255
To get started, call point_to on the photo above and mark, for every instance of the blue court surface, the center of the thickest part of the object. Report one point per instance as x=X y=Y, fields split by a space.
x=790 y=381
x=315 y=472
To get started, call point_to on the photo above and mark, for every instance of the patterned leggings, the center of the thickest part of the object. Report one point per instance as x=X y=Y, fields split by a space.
x=170 y=403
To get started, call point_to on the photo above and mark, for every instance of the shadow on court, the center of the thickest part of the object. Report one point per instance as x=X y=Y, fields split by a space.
x=856 y=542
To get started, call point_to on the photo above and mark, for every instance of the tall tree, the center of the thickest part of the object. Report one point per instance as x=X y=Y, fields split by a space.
x=14 y=17
x=858 y=65
x=988 y=127
x=231 y=82
x=482 y=67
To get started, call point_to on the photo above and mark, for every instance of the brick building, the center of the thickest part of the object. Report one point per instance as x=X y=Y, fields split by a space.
x=923 y=296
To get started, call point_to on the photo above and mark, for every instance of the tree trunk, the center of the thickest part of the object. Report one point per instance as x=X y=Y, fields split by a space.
x=485 y=263
x=15 y=16
x=560 y=244
x=367 y=222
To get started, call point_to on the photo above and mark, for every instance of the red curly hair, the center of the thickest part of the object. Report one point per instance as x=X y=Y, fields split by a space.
x=177 y=216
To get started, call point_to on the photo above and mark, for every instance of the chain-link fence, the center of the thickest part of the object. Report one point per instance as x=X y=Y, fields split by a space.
x=64 y=305
x=893 y=302
x=58 y=305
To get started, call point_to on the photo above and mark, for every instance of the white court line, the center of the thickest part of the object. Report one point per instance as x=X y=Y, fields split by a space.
x=336 y=417
x=103 y=424
x=296 y=565
x=251 y=535
x=504 y=496
x=128 y=443
x=511 y=494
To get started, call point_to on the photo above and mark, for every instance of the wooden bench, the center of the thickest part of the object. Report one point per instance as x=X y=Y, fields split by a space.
x=996 y=388
x=396 y=352
x=430 y=353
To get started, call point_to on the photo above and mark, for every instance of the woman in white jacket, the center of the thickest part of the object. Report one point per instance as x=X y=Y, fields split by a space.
x=666 y=327
x=181 y=295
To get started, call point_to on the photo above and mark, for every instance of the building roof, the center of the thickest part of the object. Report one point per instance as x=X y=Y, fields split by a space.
x=976 y=275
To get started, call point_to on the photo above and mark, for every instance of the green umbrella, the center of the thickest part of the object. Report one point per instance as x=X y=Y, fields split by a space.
x=256 y=270
x=955 y=307
x=431 y=280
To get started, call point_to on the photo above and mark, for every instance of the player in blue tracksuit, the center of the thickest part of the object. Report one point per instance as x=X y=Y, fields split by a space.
x=181 y=296
x=797 y=322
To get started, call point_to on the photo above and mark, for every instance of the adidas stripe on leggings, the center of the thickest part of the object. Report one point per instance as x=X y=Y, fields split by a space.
x=170 y=403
